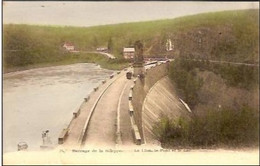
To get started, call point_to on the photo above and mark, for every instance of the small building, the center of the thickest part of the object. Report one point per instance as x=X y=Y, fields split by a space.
x=129 y=53
x=102 y=49
x=69 y=46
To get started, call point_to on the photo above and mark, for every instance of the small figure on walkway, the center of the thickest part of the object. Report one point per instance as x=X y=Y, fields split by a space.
x=45 y=138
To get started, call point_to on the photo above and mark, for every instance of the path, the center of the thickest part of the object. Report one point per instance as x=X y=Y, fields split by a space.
x=227 y=62
x=102 y=126
x=102 y=53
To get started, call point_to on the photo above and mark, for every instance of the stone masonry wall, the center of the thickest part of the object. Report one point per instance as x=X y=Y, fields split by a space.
x=142 y=87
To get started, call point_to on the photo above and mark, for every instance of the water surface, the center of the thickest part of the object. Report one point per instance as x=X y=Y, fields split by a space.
x=44 y=99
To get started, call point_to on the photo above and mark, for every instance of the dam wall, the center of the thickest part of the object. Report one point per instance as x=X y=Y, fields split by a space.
x=141 y=89
x=161 y=100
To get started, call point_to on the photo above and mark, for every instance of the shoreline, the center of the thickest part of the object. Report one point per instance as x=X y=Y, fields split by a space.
x=103 y=63
x=45 y=65
x=39 y=67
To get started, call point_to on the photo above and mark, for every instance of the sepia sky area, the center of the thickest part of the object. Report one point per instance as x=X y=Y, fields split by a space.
x=101 y=13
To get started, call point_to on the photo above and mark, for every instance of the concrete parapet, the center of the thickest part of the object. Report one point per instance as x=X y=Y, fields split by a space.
x=111 y=76
x=131 y=109
x=132 y=121
x=95 y=89
x=76 y=113
x=63 y=135
x=87 y=98
x=136 y=135
x=130 y=95
x=135 y=130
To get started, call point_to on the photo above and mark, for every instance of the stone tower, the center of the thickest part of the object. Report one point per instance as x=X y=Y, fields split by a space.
x=138 y=59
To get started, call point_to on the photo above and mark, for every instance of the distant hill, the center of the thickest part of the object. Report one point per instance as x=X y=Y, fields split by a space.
x=228 y=35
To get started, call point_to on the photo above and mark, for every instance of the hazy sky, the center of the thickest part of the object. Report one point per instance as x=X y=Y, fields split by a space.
x=98 y=13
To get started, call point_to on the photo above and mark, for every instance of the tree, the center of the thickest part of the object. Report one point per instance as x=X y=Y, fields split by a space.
x=95 y=41
x=130 y=43
x=163 y=42
x=110 y=45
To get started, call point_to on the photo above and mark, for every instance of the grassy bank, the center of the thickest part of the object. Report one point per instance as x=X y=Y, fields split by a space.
x=229 y=35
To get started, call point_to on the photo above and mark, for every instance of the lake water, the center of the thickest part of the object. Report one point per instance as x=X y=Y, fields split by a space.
x=44 y=99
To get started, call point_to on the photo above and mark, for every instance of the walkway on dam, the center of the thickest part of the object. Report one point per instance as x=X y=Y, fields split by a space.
x=103 y=125
x=110 y=98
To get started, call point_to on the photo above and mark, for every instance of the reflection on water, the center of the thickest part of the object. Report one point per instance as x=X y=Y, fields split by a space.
x=40 y=99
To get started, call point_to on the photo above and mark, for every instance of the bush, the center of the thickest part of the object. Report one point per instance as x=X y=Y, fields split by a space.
x=234 y=128
x=241 y=76
x=182 y=73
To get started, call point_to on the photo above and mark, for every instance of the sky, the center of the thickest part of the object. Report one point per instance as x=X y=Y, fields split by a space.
x=93 y=13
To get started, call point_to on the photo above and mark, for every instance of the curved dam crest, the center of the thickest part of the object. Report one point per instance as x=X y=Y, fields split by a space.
x=154 y=96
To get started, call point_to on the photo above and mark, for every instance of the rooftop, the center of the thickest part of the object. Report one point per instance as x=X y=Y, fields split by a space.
x=129 y=49
x=68 y=44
